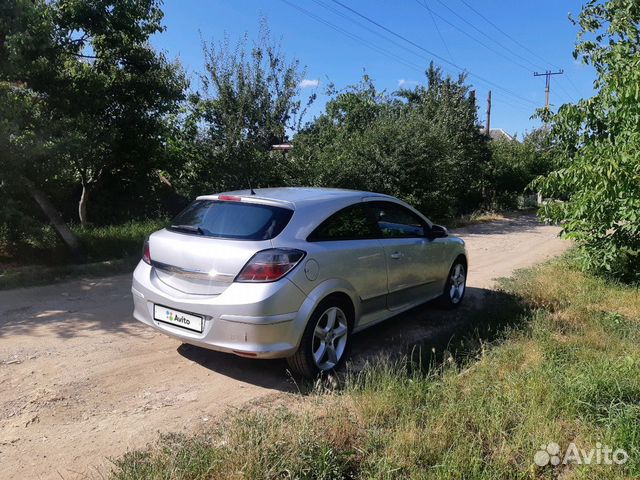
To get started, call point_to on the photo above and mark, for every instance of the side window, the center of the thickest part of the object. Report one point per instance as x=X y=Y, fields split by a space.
x=350 y=223
x=396 y=221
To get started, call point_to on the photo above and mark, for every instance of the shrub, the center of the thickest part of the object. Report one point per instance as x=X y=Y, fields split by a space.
x=597 y=185
x=423 y=145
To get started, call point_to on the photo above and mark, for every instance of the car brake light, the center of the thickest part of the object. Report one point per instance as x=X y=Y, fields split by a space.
x=229 y=198
x=270 y=265
x=146 y=253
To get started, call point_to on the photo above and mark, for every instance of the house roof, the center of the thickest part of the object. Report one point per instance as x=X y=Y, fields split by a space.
x=500 y=134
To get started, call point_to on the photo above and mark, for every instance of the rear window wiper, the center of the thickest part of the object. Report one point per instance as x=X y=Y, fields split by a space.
x=188 y=228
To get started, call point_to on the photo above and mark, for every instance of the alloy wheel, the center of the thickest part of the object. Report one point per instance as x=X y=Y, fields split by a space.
x=330 y=338
x=457 y=283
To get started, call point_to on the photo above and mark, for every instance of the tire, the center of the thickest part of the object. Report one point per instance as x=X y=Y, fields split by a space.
x=311 y=359
x=452 y=297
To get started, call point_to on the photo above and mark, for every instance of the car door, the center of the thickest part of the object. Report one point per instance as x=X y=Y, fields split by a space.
x=346 y=246
x=413 y=260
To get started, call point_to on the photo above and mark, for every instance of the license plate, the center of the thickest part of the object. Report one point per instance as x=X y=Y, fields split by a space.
x=177 y=318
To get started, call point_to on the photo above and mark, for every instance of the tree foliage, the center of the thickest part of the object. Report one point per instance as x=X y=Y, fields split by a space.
x=248 y=102
x=514 y=165
x=423 y=145
x=99 y=81
x=89 y=110
x=20 y=117
x=598 y=180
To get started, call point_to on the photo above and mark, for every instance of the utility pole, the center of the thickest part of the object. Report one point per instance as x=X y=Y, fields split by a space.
x=487 y=127
x=547 y=74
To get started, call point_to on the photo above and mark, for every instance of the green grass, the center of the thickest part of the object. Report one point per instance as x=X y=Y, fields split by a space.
x=116 y=241
x=108 y=250
x=565 y=371
x=32 y=275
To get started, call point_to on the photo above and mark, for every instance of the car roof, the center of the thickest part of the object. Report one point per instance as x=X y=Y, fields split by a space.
x=302 y=195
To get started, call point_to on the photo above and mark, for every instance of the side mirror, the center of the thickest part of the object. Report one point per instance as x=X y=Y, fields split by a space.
x=437 y=231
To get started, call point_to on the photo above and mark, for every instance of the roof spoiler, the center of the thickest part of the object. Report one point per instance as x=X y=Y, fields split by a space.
x=255 y=199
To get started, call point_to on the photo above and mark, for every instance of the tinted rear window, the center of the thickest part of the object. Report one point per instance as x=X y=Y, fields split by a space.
x=222 y=219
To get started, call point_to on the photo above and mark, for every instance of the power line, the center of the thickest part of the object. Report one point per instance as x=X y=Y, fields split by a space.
x=435 y=24
x=566 y=92
x=420 y=47
x=507 y=35
x=362 y=25
x=575 y=88
x=517 y=103
x=521 y=45
x=355 y=37
x=514 y=105
x=484 y=34
x=476 y=39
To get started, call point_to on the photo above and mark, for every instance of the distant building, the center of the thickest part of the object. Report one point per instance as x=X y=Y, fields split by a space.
x=500 y=134
x=281 y=147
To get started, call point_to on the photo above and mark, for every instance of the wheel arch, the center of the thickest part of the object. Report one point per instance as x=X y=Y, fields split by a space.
x=333 y=287
x=343 y=297
x=463 y=258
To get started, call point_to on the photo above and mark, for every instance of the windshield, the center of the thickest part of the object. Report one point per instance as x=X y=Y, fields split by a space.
x=237 y=220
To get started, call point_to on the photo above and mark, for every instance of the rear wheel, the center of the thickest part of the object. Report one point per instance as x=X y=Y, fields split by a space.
x=326 y=339
x=456 y=285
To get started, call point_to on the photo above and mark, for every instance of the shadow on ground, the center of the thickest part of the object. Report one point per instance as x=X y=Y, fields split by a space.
x=81 y=308
x=264 y=373
x=427 y=329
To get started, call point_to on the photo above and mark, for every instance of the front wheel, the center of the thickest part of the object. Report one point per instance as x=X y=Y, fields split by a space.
x=456 y=285
x=325 y=341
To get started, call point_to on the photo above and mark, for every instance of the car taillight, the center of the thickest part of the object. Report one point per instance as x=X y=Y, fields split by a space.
x=270 y=265
x=146 y=253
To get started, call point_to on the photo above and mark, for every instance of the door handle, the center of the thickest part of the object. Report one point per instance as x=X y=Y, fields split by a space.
x=395 y=255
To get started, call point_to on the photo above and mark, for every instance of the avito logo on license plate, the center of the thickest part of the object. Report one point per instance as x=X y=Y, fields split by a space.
x=175 y=317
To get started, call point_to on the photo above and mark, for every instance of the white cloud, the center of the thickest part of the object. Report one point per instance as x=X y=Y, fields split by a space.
x=405 y=83
x=309 y=83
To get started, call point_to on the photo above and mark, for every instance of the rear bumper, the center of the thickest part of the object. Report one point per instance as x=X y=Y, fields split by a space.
x=253 y=320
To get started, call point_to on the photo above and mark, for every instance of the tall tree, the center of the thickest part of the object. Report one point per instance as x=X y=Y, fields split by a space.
x=423 y=144
x=598 y=180
x=248 y=102
x=101 y=81
x=25 y=132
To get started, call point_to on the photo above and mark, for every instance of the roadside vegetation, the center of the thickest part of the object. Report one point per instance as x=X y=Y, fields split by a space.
x=596 y=185
x=107 y=250
x=67 y=160
x=555 y=359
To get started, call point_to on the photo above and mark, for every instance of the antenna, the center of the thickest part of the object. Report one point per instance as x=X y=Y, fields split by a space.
x=251 y=191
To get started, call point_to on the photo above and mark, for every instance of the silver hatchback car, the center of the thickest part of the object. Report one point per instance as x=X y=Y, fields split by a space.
x=293 y=272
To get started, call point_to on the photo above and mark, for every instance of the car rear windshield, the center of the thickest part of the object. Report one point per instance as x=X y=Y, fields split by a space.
x=236 y=220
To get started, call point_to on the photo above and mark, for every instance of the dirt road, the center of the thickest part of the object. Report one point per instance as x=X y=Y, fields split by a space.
x=81 y=381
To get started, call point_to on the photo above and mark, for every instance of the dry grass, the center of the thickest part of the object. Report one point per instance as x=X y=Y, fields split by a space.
x=568 y=374
x=475 y=218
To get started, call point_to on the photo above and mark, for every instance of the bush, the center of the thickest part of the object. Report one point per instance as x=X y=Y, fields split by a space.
x=597 y=184
x=423 y=145
x=38 y=244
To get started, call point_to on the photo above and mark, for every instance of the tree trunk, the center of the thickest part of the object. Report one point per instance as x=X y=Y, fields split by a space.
x=61 y=228
x=82 y=206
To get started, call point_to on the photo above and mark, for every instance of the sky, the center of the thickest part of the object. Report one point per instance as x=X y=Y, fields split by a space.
x=337 y=44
